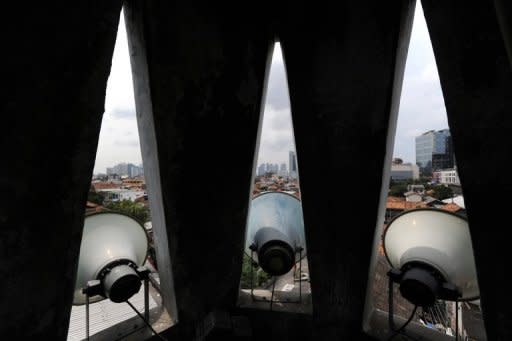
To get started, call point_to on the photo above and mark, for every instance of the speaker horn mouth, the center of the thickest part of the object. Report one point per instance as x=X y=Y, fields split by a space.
x=420 y=286
x=120 y=280
x=276 y=258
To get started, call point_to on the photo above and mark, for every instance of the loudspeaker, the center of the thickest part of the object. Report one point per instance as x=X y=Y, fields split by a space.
x=276 y=232
x=431 y=253
x=113 y=246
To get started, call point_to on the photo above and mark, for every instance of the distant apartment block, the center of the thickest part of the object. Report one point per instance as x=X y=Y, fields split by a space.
x=446 y=176
x=434 y=151
x=265 y=168
x=126 y=169
x=404 y=171
x=283 y=171
x=120 y=194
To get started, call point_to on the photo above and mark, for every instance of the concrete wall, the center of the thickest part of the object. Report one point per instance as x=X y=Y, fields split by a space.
x=476 y=79
x=55 y=64
x=199 y=74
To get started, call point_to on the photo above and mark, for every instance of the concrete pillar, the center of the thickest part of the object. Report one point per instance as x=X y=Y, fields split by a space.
x=344 y=75
x=55 y=64
x=476 y=78
x=201 y=97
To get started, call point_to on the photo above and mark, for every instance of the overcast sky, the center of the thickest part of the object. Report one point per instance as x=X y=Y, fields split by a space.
x=421 y=106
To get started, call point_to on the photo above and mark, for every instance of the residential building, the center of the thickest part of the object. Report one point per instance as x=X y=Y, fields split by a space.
x=121 y=194
x=126 y=169
x=404 y=171
x=447 y=176
x=416 y=188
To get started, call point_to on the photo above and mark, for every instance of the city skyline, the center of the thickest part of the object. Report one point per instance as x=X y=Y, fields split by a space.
x=421 y=106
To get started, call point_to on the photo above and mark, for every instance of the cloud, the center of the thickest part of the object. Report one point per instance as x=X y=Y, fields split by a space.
x=277 y=90
x=119 y=136
x=421 y=106
x=276 y=132
x=123 y=113
x=118 y=142
x=127 y=143
x=276 y=136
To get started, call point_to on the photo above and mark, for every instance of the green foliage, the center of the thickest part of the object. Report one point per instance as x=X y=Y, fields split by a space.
x=96 y=197
x=136 y=210
x=442 y=192
x=259 y=276
x=398 y=189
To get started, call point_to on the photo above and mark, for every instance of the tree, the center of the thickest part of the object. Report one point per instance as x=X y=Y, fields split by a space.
x=136 y=210
x=442 y=192
x=258 y=275
x=96 y=197
x=398 y=189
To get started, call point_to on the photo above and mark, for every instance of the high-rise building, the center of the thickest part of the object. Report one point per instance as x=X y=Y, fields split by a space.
x=282 y=170
x=292 y=164
x=272 y=168
x=135 y=170
x=261 y=169
x=434 y=151
x=264 y=168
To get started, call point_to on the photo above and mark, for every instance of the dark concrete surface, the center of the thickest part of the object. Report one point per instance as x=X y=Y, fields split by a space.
x=206 y=71
x=199 y=72
x=55 y=63
x=341 y=61
x=476 y=79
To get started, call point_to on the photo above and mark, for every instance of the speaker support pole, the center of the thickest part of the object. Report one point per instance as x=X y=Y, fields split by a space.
x=146 y=299
x=143 y=273
x=87 y=316
x=92 y=288
x=95 y=287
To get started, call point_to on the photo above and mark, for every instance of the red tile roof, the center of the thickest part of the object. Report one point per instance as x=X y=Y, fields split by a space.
x=104 y=185
x=451 y=207
x=394 y=203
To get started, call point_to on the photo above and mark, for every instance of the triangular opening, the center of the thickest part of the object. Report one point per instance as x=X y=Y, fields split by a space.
x=275 y=272
x=423 y=177
x=118 y=187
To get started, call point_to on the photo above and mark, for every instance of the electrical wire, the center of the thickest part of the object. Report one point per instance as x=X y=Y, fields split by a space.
x=273 y=289
x=391 y=314
x=402 y=328
x=146 y=322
